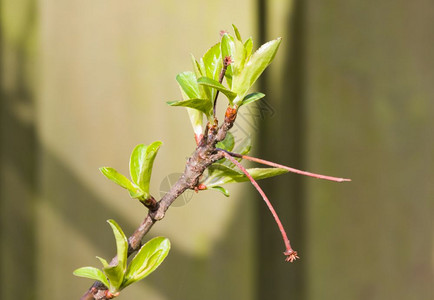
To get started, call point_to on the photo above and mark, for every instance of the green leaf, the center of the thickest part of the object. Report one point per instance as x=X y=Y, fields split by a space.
x=221 y=174
x=221 y=190
x=121 y=244
x=250 y=98
x=121 y=180
x=248 y=45
x=141 y=163
x=239 y=58
x=202 y=105
x=228 y=143
x=262 y=173
x=254 y=68
x=92 y=273
x=188 y=83
x=218 y=174
x=137 y=159
x=218 y=86
x=196 y=67
x=196 y=120
x=104 y=263
x=213 y=62
x=227 y=46
x=149 y=257
x=151 y=153
x=116 y=273
x=115 y=276
x=242 y=148
x=191 y=90
x=237 y=33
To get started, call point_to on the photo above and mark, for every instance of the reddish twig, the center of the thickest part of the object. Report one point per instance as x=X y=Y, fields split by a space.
x=269 y=163
x=289 y=252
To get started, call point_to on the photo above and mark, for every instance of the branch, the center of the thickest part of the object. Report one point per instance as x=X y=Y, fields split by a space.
x=269 y=163
x=205 y=155
x=289 y=252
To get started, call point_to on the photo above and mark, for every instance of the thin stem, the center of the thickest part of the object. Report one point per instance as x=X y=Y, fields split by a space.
x=269 y=163
x=226 y=62
x=289 y=252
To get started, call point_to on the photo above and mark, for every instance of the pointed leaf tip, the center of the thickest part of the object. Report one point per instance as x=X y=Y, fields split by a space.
x=141 y=164
x=121 y=243
x=92 y=273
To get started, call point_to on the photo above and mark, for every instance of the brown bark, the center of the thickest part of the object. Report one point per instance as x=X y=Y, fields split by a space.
x=204 y=156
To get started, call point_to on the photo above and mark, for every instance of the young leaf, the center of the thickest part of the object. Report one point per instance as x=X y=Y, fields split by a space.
x=188 y=84
x=104 y=263
x=149 y=257
x=137 y=159
x=218 y=170
x=262 y=173
x=92 y=273
x=221 y=174
x=196 y=116
x=213 y=62
x=196 y=120
x=251 y=98
x=254 y=68
x=141 y=163
x=121 y=180
x=218 y=86
x=242 y=148
x=248 y=45
x=115 y=276
x=239 y=58
x=202 y=105
x=237 y=33
x=196 y=67
x=221 y=190
x=191 y=90
x=121 y=244
x=228 y=143
x=227 y=46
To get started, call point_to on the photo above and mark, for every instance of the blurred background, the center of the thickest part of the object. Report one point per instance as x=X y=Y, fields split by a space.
x=350 y=94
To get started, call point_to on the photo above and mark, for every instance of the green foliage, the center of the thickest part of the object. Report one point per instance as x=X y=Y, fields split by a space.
x=253 y=68
x=141 y=163
x=224 y=171
x=241 y=67
x=250 y=98
x=149 y=257
x=228 y=143
x=201 y=105
x=218 y=86
x=199 y=87
x=92 y=273
x=119 y=276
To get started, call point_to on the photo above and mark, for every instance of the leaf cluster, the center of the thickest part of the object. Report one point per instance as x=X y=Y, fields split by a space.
x=224 y=171
x=200 y=86
x=119 y=276
x=141 y=163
